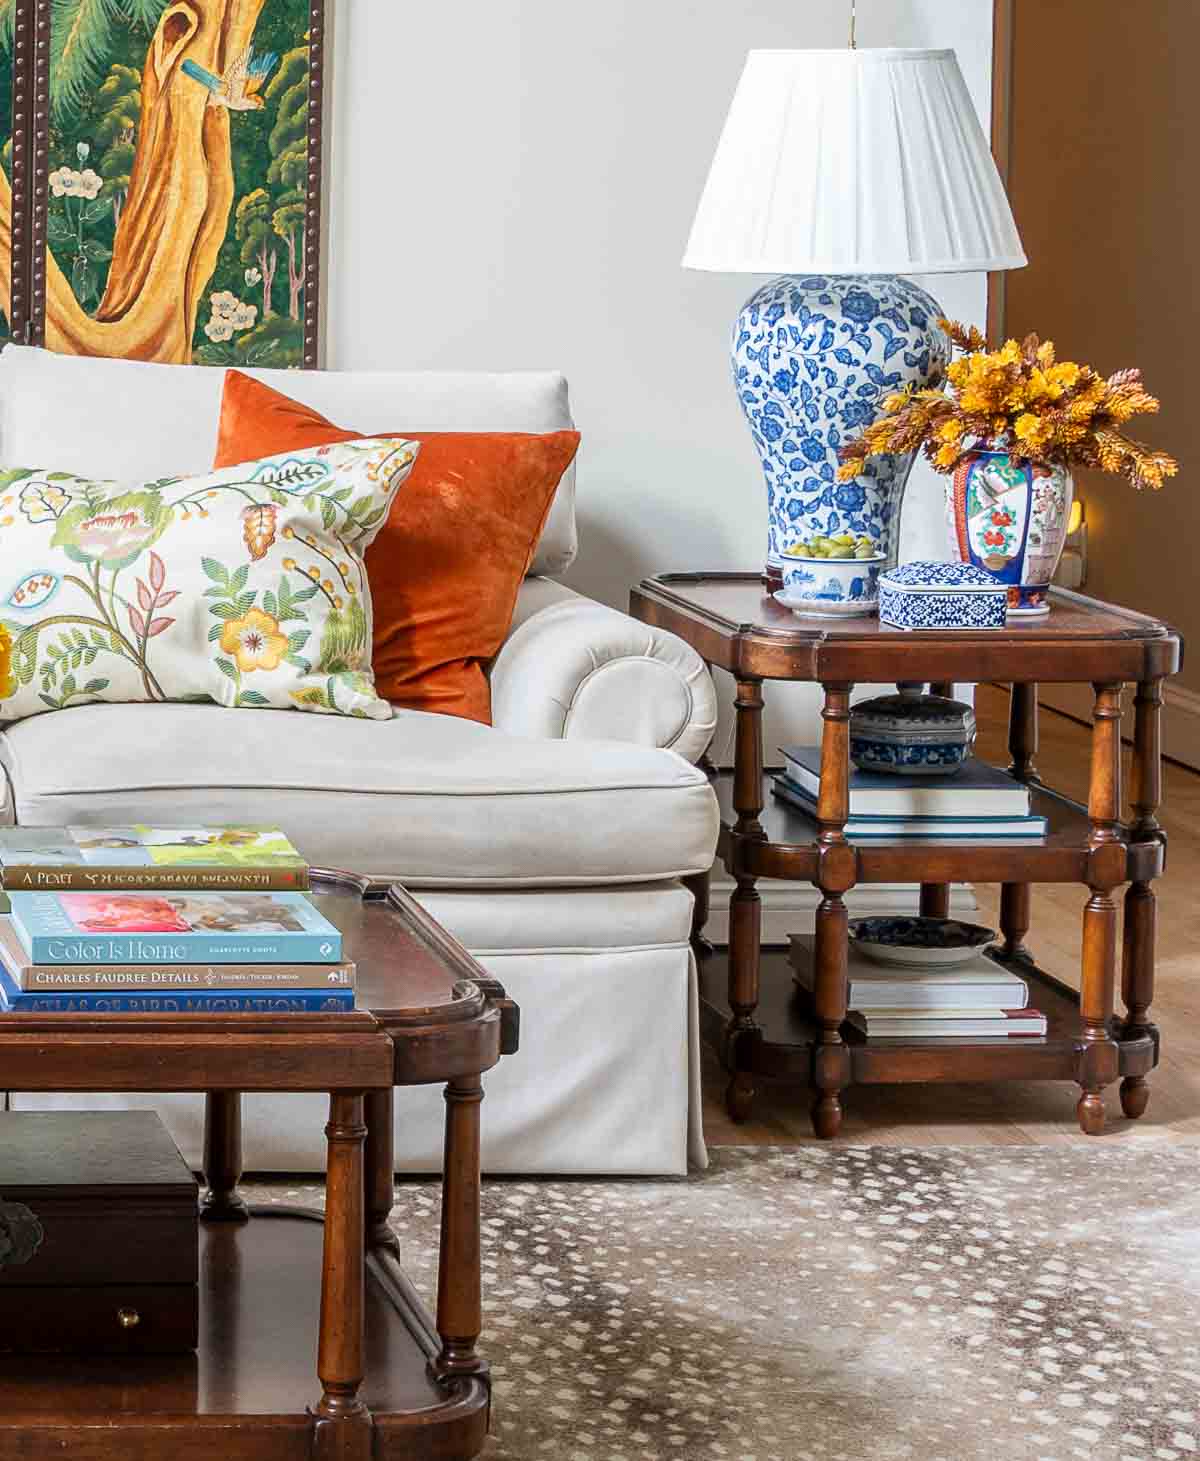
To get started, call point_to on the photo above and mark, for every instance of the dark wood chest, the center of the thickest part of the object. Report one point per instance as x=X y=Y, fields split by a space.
x=99 y=1239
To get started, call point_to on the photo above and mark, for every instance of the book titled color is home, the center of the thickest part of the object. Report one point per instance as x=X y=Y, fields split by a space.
x=26 y=977
x=150 y=859
x=166 y=928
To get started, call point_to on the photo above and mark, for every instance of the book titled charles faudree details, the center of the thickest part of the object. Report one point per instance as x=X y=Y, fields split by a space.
x=150 y=859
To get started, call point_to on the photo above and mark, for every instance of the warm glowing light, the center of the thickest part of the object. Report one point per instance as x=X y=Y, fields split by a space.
x=1075 y=521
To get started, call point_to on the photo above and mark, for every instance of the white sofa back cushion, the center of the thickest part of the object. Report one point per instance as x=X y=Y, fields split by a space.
x=130 y=420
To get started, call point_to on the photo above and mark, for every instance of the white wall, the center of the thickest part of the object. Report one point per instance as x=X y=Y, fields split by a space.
x=513 y=182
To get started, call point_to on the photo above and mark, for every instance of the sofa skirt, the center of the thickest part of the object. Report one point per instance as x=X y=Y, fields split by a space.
x=606 y=1081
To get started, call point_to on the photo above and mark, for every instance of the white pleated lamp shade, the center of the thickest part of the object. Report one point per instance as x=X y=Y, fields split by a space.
x=853 y=162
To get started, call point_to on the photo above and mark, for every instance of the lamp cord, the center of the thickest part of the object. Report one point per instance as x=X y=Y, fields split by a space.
x=853 y=24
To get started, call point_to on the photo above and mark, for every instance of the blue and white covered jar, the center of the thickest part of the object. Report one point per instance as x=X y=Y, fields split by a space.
x=911 y=733
x=924 y=595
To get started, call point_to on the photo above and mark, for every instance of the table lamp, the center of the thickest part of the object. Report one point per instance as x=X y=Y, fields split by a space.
x=839 y=172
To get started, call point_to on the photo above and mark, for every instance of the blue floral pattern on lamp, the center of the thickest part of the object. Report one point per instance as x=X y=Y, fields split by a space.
x=813 y=358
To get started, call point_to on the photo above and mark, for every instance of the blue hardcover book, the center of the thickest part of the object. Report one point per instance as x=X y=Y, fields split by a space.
x=975 y=790
x=182 y=928
x=159 y=1002
x=1031 y=828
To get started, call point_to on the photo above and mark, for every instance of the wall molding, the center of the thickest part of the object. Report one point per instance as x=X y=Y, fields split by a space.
x=790 y=907
x=1181 y=716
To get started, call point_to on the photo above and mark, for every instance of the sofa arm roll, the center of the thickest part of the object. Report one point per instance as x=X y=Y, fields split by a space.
x=577 y=669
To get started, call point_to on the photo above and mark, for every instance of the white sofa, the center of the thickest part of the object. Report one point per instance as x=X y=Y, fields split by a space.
x=551 y=843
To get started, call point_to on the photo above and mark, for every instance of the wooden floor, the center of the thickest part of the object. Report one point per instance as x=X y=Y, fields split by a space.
x=920 y=1115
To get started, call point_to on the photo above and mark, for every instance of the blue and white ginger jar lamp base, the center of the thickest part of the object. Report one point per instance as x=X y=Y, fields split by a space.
x=814 y=356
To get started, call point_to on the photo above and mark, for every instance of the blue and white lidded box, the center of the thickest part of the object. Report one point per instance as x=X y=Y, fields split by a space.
x=925 y=595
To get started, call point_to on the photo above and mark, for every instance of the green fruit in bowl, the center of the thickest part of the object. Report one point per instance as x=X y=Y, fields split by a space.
x=844 y=545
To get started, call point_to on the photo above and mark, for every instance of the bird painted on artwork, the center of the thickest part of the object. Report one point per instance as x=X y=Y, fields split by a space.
x=239 y=88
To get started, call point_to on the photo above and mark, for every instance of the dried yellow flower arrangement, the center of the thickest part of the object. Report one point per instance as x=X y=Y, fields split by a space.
x=1021 y=398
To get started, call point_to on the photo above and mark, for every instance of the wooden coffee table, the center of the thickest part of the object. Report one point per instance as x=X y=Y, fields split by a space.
x=313 y=1343
x=767 y=1031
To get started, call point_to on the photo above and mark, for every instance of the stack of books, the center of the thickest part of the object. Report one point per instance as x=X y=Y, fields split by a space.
x=979 y=1000
x=977 y=801
x=157 y=920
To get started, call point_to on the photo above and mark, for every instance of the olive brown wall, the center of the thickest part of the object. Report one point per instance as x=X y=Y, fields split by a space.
x=1104 y=137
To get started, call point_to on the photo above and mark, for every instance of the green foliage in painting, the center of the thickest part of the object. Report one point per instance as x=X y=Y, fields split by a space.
x=84 y=35
x=263 y=260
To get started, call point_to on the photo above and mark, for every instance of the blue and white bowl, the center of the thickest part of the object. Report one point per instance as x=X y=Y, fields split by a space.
x=919 y=943
x=925 y=595
x=831 y=588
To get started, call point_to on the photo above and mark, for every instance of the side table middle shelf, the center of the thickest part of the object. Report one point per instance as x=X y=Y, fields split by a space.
x=764 y=1031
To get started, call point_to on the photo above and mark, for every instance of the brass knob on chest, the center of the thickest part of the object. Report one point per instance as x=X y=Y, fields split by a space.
x=128 y=1318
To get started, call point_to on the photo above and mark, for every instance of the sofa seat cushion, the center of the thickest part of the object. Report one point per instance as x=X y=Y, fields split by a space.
x=430 y=799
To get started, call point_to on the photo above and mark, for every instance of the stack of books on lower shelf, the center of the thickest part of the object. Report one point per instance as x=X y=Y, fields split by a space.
x=976 y=802
x=164 y=920
x=978 y=1000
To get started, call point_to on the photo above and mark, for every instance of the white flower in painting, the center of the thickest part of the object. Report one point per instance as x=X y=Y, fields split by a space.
x=83 y=151
x=219 y=329
x=224 y=304
x=253 y=277
x=64 y=182
x=244 y=316
x=89 y=183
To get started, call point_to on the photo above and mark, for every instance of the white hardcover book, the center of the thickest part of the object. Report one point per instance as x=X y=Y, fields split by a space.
x=948 y=1024
x=981 y=984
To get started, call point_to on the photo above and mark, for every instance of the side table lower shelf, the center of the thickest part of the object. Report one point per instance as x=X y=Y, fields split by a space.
x=248 y=1389
x=784 y=1045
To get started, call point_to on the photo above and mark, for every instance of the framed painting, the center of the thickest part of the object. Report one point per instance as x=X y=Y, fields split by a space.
x=162 y=175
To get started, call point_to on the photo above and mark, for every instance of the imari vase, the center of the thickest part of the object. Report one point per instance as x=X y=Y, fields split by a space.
x=1011 y=521
x=814 y=356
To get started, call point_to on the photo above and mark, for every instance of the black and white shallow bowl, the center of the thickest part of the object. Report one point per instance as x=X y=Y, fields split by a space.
x=919 y=943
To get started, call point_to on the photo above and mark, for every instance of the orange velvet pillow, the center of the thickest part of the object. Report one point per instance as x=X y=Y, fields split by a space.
x=446 y=566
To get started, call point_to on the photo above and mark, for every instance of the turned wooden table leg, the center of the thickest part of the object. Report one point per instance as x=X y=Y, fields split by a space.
x=836 y=873
x=223 y=1158
x=745 y=905
x=944 y=688
x=1023 y=731
x=459 y=1291
x=935 y=900
x=379 y=1170
x=342 y=1426
x=1098 y=1061
x=1015 y=915
x=1015 y=899
x=1141 y=909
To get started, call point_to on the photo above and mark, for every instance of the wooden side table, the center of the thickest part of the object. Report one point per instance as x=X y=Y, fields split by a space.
x=314 y=1345
x=769 y=1033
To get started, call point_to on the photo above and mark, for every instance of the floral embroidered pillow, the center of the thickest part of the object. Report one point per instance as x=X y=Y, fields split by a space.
x=245 y=587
